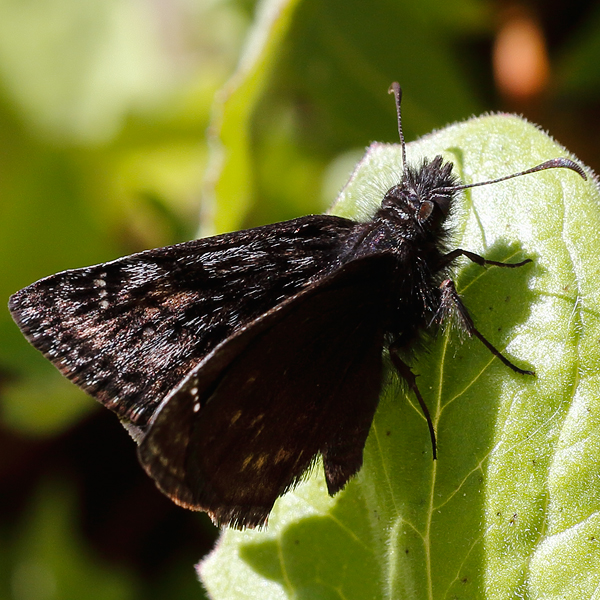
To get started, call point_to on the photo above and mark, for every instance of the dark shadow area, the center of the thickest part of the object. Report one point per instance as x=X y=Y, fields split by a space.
x=125 y=520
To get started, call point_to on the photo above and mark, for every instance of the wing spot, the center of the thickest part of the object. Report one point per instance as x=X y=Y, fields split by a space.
x=100 y=282
x=104 y=304
x=149 y=330
x=196 y=407
x=102 y=293
x=282 y=455
x=257 y=419
x=194 y=391
x=261 y=461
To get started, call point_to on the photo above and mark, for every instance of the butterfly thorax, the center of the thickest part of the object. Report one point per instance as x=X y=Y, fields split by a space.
x=410 y=226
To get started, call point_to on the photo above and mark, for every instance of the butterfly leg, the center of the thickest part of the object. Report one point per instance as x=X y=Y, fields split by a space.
x=452 y=256
x=408 y=376
x=451 y=299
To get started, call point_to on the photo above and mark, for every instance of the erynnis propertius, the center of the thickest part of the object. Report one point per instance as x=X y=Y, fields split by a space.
x=236 y=360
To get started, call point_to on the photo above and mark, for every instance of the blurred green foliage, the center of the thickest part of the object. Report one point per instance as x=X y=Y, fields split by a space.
x=104 y=107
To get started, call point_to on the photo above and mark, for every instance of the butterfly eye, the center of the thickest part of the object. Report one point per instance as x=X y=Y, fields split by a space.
x=425 y=211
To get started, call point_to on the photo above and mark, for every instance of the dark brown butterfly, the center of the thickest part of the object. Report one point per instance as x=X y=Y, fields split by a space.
x=236 y=360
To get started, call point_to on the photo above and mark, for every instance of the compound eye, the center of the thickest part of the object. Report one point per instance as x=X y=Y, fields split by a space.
x=425 y=211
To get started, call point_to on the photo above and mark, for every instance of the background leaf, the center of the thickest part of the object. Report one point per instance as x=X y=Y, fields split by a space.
x=502 y=509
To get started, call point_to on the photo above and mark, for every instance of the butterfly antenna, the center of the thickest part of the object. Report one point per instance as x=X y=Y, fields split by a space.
x=553 y=163
x=397 y=91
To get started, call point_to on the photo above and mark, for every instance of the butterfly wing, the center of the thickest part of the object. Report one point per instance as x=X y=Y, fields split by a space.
x=129 y=331
x=301 y=380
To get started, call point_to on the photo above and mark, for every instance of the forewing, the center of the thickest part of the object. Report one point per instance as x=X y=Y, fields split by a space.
x=250 y=419
x=129 y=331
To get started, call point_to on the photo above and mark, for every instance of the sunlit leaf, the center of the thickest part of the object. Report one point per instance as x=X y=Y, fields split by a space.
x=509 y=508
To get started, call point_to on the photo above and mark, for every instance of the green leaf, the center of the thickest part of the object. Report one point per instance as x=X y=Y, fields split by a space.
x=76 y=69
x=44 y=404
x=312 y=82
x=230 y=179
x=510 y=508
x=577 y=67
x=51 y=560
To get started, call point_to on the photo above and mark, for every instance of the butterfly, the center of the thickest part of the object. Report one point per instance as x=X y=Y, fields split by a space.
x=236 y=360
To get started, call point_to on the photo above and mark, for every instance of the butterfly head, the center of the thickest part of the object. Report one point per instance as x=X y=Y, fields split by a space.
x=424 y=196
x=425 y=193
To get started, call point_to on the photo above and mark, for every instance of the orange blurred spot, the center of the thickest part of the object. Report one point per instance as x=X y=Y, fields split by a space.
x=521 y=66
